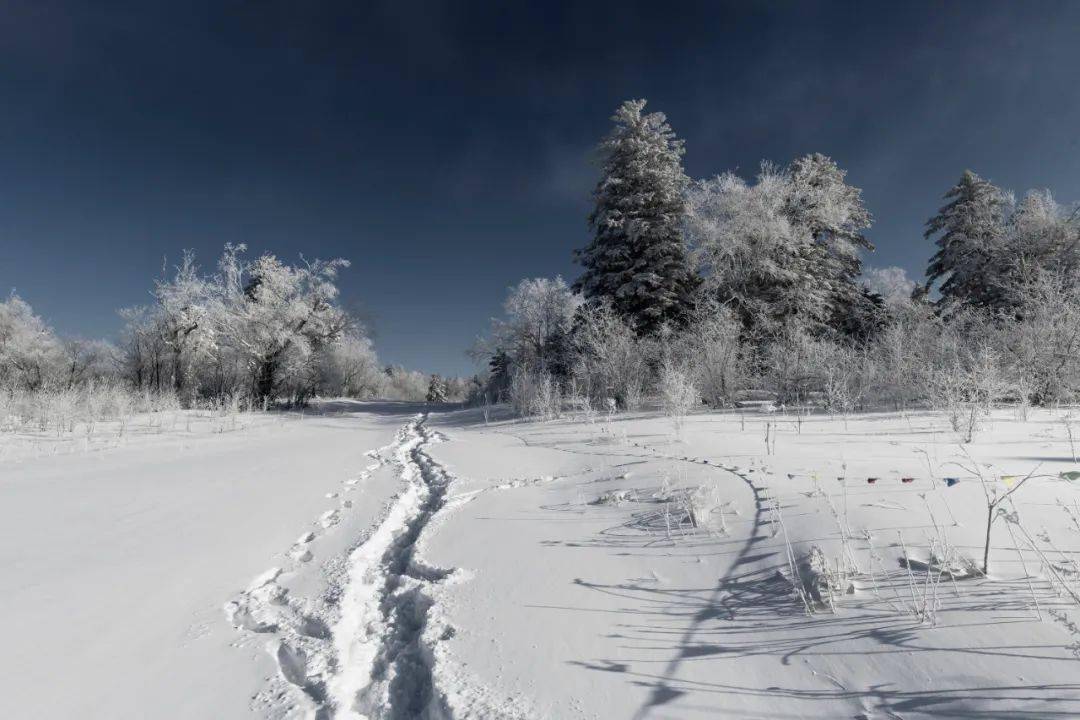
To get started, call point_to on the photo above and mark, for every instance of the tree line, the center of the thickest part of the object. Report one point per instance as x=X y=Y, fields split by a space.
x=249 y=333
x=735 y=288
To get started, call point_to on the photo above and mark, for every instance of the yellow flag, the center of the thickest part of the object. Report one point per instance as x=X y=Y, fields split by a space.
x=1009 y=480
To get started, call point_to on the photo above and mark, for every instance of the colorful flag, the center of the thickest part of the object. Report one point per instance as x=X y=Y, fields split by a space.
x=1009 y=480
x=949 y=482
x=1070 y=475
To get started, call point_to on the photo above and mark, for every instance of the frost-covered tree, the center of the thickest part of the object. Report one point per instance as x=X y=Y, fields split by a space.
x=784 y=249
x=747 y=249
x=283 y=318
x=637 y=259
x=539 y=317
x=351 y=367
x=29 y=351
x=83 y=360
x=534 y=336
x=1042 y=338
x=436 y=392
x=968 y=229
x=187 y=304
x=710 y=347
x=261 y=330
x=831 y=212
x=1041 y=241
x=611 y=360
x=142 y=349
x=402 y=384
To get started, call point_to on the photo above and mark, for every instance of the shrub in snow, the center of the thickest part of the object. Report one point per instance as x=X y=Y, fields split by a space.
x=711 y=349
x=611 y=360
x=535 y=394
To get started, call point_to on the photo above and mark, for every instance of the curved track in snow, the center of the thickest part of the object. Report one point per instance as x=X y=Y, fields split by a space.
x=364 y=649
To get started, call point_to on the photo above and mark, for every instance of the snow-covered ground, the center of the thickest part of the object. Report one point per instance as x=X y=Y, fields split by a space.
x=116 y=561
x=592 y=594
x=384 y=561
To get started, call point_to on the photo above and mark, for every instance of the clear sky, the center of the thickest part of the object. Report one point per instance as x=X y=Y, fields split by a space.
x=444 y=148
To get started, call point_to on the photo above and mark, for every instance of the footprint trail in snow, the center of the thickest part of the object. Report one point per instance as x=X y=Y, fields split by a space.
x=365 y=647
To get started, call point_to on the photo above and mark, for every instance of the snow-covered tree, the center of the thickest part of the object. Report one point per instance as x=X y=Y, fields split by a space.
x=611 y=360
x=637 y=259
x=351 y=367
x=402 y=384
x=285 y=317
x=83 y=360
x=1041 y=241
x=262 y=329
x=968 y=230
x=436 y=392
x=29 y=352
x=186 y=304
x=539 y=316
x=710 y=347
x=831 y=212
x=785 y=249
x=747 y=249
x=1043 y=338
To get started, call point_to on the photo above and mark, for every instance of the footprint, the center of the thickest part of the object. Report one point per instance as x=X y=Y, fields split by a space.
x=305 y=538
x=265 y=579
x=293 y=664
x=329 y=518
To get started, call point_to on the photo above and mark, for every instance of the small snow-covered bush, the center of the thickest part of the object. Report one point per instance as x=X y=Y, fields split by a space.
x=535 y=394
x=677 y=393
x=612 y=361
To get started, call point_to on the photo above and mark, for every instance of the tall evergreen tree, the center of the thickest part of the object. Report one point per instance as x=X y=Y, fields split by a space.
x=637 y=259
x=436 y=389
x=969 y=227
x=832 y=215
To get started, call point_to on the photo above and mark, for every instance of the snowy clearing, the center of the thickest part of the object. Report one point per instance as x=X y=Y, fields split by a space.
x=421 y=563
x=616 y=572
x=117 y=562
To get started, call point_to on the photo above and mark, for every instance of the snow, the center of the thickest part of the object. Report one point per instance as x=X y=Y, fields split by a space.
x=117 y=562
x=586 y=567
x=586 y=602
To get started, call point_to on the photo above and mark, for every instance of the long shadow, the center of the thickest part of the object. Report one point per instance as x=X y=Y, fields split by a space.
x=663 y=693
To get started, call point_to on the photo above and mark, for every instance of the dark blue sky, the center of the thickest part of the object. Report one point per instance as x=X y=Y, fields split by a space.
x=444 y=147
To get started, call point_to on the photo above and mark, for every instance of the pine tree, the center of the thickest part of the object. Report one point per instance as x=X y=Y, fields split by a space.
x=499 y=372
x=436 y=390
x=970 y=227
x=832 y=215
x=637 y=259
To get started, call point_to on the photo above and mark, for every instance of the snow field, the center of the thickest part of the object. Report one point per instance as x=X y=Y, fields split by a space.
x=729 y=576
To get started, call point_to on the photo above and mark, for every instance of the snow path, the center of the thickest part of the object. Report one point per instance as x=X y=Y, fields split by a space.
x=116 y=563
x=360 y=650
